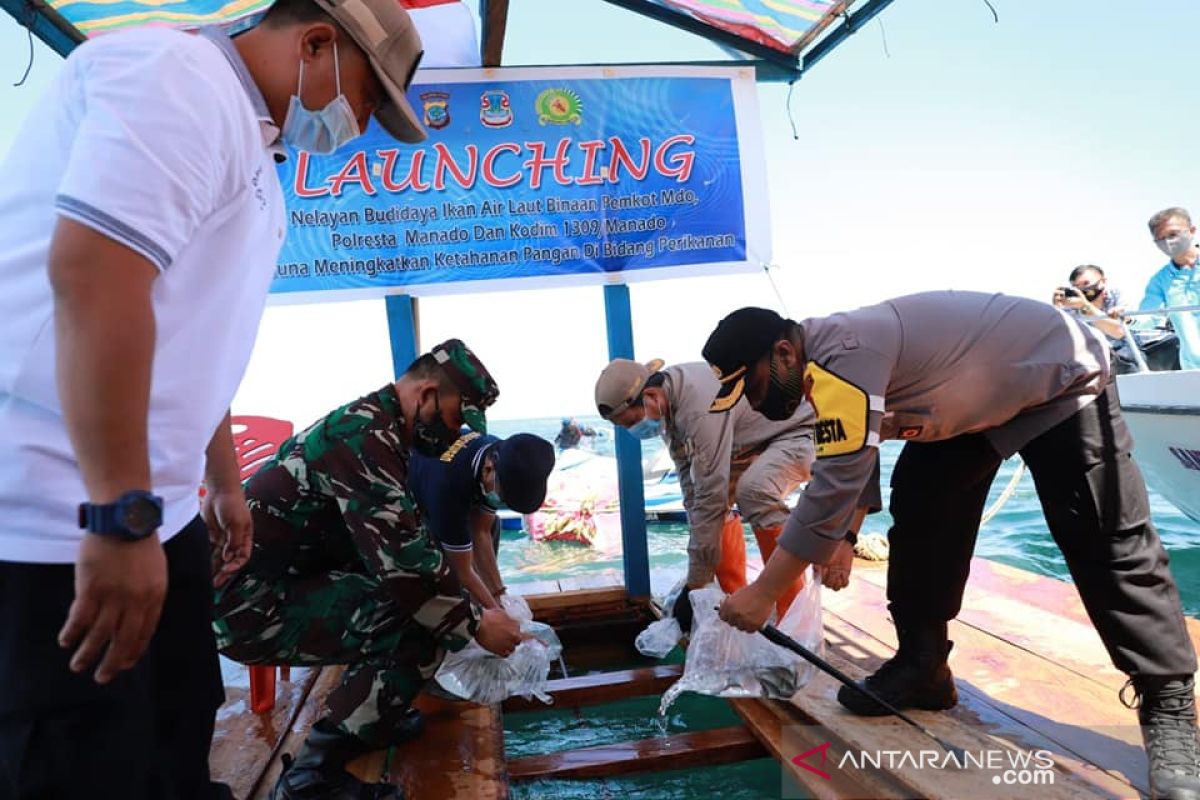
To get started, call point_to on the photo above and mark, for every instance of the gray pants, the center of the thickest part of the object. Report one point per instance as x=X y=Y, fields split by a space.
x=761 y=480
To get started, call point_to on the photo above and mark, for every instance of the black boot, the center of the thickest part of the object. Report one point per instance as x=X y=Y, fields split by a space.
x=318 y=771
x=1167 y=714
x=916 y=677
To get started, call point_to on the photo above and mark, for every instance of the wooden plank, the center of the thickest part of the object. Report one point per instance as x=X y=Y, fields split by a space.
x=327 y=679
x=1040 y=614
x=601 y=687
x=698 y=748
x=576 y=597
x=244 y=742
x=1005 y=692
x=767 y=720
x=459 y=754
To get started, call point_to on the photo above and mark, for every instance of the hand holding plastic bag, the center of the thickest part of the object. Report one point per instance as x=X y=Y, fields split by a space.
x=479 y=676
x=726 y=662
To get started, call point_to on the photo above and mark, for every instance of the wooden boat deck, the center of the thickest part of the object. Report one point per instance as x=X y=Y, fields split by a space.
x=1031 y=673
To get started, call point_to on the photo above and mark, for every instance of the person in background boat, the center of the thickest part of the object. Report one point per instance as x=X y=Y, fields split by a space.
x=460 y=491
x=734 y=457
x=343 y=572
x=967 y=380
x=572 y=433
x=1088 y=296
x=1178 y=282
x=142 y=218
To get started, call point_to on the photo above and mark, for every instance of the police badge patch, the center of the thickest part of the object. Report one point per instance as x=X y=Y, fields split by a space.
x=559 y=107
x=437 y=109
x=495 y=111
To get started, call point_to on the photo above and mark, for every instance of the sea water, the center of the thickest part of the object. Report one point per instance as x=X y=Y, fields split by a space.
x=1016 y=535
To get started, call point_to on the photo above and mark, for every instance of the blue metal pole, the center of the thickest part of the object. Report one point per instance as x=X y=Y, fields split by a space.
x=619 y=320
x=402 y=328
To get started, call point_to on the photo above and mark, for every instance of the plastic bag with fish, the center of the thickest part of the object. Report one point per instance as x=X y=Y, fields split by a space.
x=661 y=636
x=726 y=662
x=483 y=677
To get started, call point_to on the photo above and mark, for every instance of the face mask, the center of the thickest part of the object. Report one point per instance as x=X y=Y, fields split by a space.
x=492 y=500
x=320 y=132
x=434 y=437
x=1175 y=246
x=784 y=393
x=1093 y=291
x=647 y=428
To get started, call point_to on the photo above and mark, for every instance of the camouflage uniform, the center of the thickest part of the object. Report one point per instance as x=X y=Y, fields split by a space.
x=343 y=571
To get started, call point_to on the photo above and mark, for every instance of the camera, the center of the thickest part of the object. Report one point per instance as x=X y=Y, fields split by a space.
x=1069 y=291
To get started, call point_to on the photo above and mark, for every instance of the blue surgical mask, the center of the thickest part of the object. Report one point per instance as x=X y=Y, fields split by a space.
x=320 y=132
x=647 y=428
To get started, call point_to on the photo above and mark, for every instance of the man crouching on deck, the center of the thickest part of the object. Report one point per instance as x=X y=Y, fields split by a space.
x=967 y=380
x=342 y=571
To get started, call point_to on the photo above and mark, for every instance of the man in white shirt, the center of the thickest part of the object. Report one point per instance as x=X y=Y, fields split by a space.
x=140 y=223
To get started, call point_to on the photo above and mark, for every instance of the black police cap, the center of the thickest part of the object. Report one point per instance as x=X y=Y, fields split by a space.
x=738 y=342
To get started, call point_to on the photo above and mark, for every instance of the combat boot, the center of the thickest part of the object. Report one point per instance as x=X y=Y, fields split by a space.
x=916 y=677
x=1167 y=714
x=319 y=770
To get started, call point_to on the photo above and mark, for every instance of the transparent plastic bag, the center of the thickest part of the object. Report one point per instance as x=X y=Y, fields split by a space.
x=661 y=636
x=515 y=606
x=726 y=662
x=483 y=677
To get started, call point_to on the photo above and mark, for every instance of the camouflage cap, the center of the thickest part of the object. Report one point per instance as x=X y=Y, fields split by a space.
x=467 y=372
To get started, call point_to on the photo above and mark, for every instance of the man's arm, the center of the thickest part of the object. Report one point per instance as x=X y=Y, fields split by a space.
x=463 y=564
x=711 y=439
x=104 y=341
x=230 y=525
x=482 y=524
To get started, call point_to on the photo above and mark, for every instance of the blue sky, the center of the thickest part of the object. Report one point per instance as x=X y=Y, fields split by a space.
x=969 y=155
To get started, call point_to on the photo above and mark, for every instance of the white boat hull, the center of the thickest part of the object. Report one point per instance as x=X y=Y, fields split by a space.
x=1163 y=412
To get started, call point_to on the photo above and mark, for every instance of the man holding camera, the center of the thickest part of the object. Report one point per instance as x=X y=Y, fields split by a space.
x=1088 y=294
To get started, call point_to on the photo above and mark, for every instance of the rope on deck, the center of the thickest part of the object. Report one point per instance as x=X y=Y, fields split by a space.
x=1018 y=473
x=874 y=546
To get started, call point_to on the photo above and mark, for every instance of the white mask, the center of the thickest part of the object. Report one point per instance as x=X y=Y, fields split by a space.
x=320 y=132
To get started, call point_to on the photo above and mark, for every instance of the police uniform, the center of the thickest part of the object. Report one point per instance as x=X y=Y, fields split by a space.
x=967 y=380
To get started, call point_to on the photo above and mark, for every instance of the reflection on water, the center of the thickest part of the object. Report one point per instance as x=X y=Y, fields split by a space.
x=1016 y=535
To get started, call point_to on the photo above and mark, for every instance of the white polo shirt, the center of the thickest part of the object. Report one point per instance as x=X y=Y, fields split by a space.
x=161 y=141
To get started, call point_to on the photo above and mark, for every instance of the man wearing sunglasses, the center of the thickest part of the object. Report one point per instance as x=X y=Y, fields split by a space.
x=140 y=226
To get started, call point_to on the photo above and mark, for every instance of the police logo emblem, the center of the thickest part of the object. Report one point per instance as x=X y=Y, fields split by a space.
x=437 y=109
x=495 y=111
x=559 y=107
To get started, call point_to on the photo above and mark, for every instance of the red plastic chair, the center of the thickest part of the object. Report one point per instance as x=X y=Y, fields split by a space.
x=256 y=439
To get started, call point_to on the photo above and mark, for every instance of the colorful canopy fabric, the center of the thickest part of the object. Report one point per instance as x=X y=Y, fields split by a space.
x=779 y=24
x=91 y=17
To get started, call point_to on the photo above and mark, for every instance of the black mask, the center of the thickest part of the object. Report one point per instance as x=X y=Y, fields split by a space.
x=784 y=393
x=1093 y=291
x=434 y=437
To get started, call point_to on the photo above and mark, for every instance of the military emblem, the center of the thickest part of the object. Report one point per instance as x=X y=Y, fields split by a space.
x=437 y=109
x=494 y=109
x=559 y=107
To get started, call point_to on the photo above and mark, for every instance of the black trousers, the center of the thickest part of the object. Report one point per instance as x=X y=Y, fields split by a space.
x=1094 y=500
x=145 y=735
